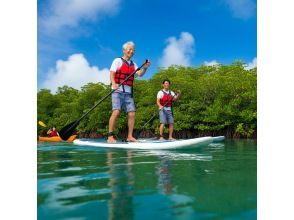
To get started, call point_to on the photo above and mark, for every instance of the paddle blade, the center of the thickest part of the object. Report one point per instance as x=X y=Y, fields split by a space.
x=68 y=130
x=42 y=124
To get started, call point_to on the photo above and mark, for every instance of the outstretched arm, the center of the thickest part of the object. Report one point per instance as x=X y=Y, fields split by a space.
x=178 y=95
x=143 y=70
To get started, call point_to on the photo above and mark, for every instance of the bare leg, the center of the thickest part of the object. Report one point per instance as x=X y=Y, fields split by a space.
x=112 y=121
x=131 y=124
x=170 y=132
x=161 y=127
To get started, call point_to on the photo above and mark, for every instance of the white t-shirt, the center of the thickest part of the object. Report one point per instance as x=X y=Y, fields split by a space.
x=160 y=95
x=116 y=64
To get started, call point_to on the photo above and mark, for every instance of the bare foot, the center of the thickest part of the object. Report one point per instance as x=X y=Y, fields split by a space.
x=161 y=139
x=172 y=139
x=111 y=140
x=131 y=139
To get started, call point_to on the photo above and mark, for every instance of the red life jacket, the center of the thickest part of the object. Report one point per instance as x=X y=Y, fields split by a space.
x=167 y=99
x=53 y=133
x=123 y=72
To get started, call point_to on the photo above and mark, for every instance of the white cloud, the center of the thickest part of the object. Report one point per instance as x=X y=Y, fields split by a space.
x=243 y=9
x=178 y=52
x=69 y=13
x=211 y=63
x=75 y=72
x=251 y=64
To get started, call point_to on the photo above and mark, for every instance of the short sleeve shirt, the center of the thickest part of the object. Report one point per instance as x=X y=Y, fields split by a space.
x=160 y=95
x=116 y=64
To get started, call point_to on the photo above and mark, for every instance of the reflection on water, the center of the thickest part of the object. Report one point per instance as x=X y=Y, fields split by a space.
x=217 y=181
x=121 y=183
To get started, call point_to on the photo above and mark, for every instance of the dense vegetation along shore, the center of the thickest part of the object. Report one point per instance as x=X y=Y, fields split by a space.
x=216 y=100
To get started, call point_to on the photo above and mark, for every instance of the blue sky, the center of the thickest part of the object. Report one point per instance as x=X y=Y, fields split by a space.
x=78 y=39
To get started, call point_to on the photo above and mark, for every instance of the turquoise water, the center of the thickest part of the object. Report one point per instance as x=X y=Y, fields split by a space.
x=217 y=181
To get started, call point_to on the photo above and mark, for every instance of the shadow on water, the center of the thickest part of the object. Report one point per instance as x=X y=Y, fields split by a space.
x=217 y=181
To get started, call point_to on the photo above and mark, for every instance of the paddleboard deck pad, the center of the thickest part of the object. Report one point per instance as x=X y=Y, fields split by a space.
x=153 y=144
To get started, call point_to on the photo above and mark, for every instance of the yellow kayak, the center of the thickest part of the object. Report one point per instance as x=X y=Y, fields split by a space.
x=57 y=139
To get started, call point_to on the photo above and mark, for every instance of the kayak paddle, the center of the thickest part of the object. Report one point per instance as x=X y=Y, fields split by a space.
x=70 y=128
x=42 y=124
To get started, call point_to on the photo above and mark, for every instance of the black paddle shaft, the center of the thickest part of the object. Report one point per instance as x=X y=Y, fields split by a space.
x=69 y=129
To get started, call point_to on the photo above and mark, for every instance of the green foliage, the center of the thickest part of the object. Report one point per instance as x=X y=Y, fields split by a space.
x=214 y=99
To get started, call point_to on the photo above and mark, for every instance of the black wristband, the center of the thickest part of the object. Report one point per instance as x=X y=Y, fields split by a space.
x=110 y=134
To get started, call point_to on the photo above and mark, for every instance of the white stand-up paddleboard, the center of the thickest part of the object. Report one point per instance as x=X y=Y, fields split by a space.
x=152 y=144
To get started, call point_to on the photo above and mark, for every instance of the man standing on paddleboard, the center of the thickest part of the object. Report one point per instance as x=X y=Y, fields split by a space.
x=165 y=97
x=122 y=97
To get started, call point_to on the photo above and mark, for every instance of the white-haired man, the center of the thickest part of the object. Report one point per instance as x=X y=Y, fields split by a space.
x=122 y=98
